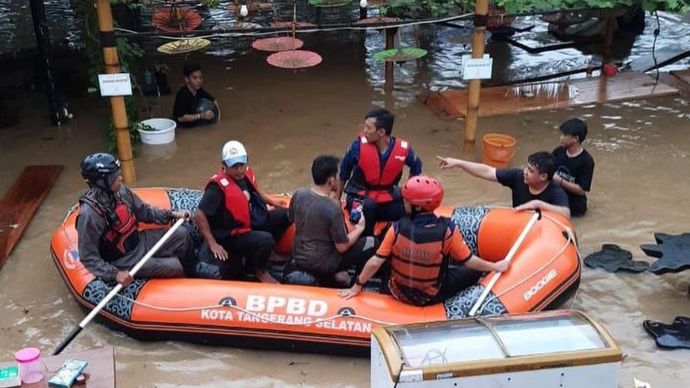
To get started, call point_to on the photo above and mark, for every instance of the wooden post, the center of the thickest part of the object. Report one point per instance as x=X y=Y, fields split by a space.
x=56 y=104
x=390 y=44
x=117 y=103
x=363 y=12
x=608 y=40
x=474 y=89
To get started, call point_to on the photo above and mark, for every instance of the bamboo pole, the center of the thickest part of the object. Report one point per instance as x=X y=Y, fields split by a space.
x=390 y=44
x=474 y=89
x=117 y=103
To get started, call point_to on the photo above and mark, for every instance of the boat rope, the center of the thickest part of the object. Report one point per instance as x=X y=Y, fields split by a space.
x=258 y=316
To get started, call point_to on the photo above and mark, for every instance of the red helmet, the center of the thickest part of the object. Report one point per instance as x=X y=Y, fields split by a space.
x=424 y=192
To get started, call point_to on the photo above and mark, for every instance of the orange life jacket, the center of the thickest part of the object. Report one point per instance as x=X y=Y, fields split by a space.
x=376 y=181
x=235 y=200
x=418 y=262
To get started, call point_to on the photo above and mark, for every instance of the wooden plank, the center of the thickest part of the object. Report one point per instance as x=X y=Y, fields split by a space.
x=100 y=370
x=664 y=56
x=550 y=95
x=20 y=203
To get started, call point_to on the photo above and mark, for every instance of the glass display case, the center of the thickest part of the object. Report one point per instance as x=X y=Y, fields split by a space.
x=562 y=349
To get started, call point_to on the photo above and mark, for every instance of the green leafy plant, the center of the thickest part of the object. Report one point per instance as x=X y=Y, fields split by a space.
x=146 y=127
x=512 y=6
x=423 y=8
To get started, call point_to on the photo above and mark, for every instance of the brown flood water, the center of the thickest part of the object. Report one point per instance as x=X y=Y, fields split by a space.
x=641 y=148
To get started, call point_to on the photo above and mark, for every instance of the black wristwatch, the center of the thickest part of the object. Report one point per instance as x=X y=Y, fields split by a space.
x=357 y=282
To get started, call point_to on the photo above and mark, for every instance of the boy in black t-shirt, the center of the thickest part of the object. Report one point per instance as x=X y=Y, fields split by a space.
x=193 y=104
x=574 y=165
x=532 y=187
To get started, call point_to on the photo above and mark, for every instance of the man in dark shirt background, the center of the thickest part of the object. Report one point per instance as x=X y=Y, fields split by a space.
x=574 y=165
x=193 y=104
x=532 y=186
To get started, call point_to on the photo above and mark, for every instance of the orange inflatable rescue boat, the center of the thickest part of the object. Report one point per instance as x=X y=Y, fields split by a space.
x=543 y=272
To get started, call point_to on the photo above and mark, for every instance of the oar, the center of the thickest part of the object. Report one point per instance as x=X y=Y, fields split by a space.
x=117 y=288
x=533 y=220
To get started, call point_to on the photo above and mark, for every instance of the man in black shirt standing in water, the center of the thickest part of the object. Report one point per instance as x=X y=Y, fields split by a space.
x=574 y=165
x=193 y=104
x=532 y=186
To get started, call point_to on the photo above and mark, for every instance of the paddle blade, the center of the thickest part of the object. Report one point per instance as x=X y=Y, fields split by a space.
x=72 y=334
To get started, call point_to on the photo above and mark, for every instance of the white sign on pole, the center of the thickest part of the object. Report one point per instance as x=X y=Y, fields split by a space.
x=117 y=84
x=479 y=68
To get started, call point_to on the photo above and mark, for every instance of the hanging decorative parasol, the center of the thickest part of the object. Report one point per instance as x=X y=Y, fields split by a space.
x=376 y=20
x=294 y=59
x=183 y=46
x=400 y=54
x=279 y=43
x=176 y=19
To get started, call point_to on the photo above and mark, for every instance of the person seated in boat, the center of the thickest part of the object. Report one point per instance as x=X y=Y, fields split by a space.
x=322 y=245
x=574 y=165
x=194 y=105
x=372 y=167
x=233 y=217
x=420 y=247
x=110 y=242
x=532 y=186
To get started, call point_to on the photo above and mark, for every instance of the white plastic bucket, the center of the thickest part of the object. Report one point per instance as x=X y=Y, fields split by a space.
x=164 y=133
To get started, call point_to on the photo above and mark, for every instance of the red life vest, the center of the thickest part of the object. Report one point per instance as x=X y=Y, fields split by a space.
x=378 y=180
x=235 y=200
x=417 y=260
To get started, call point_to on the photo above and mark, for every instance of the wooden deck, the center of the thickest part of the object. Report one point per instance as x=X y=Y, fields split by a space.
x=20 y=203
x=499 y=100
x=100 y=370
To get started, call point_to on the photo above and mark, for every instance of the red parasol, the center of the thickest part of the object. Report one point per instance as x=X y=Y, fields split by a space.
x=277 y=44
x=176 y=19
x=294 y=59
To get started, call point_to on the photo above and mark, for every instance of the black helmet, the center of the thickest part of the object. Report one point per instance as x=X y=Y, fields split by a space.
x=100 y=170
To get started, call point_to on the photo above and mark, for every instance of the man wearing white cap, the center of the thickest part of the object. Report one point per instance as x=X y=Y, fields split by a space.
x=233 y=216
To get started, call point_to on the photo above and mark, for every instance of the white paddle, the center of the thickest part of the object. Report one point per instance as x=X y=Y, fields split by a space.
x=117 y=288
x=533 y=220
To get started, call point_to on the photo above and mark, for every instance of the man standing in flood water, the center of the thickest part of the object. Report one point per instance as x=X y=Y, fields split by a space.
x=532 y=186
x=193 y=104
x=574 y=165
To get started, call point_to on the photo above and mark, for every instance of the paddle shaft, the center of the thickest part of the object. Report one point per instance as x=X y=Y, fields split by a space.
x=533 y=220
x=117 y=288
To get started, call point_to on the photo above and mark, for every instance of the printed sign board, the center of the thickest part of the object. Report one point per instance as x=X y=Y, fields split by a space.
x=117 y=84
x=479 y=68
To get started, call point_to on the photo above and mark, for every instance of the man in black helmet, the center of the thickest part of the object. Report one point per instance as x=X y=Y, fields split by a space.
x=110 y=242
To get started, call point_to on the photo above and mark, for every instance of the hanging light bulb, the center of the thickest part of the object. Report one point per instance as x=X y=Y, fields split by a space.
x=244 y=11
x=363 y=3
